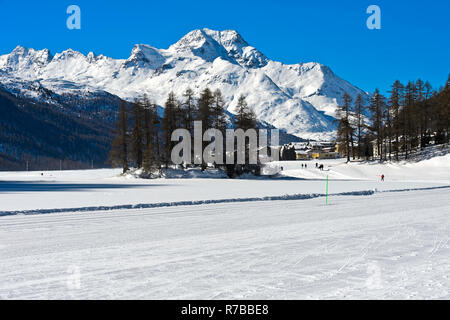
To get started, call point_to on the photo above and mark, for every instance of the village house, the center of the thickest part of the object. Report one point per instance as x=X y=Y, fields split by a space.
x=313 y=150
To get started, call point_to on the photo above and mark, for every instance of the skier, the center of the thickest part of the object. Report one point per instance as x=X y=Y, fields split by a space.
x=382 y=177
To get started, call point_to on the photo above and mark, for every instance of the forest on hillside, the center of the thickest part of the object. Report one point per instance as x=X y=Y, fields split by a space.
x=413 y=117
x=41 y=136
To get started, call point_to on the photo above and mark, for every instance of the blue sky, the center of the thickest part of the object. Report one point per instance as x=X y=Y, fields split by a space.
x=413 y=42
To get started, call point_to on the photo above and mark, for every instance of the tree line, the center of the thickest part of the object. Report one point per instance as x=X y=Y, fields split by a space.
x=142 y=139
x=411 y=118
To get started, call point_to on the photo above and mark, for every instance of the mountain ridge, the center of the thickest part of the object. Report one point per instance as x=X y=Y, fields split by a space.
x=300 y=98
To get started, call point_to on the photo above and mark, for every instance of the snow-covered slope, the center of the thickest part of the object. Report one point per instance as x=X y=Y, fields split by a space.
x=105 y=188
x=219 y=239
x=300 y=98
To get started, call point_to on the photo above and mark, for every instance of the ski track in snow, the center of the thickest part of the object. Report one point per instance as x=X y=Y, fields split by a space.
x=394 y=247
x=205 y=202
x=373 y=240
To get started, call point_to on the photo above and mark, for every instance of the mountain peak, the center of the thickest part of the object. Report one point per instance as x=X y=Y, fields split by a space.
x=22 y=57
x=19 y=50
x=200 y=43
x=228 y=44
x=91 y=56
x=71 y=53
x=198 y=37
x=145 y=55
x=299 y=98
x=226 y=37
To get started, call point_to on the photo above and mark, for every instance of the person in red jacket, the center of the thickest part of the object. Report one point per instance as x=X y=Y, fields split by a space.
x=382 y=177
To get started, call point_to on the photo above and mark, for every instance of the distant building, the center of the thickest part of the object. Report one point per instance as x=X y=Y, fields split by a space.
x=325 y=155
x=303 y=154
x=313 y=150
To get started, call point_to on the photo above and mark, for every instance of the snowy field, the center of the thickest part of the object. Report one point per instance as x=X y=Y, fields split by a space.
x=93 y=234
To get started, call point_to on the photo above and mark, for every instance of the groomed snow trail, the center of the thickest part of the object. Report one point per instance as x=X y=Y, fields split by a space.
x=388 y=245
x=286 y=197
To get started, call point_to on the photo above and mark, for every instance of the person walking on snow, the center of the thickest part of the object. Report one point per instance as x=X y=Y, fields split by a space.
x=382 y=177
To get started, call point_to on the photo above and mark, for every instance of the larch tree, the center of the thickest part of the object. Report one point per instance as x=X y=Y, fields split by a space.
x=205 y=114
x=409 y=117
x=395 y=101
x=189 y=110
x=119 y=146
x=388 y=116
x=137 y=134
x=245 y=119
x=218 y=109
x=377 y=105
x=151 y=144
x=245 y=116
x=441 y=102
x=168 y=124
x=359 y=110
x=345 y=129
x=427 y=114
x=205 y=109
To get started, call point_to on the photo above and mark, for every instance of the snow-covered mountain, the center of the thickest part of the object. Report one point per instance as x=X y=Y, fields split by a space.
x=299 y=98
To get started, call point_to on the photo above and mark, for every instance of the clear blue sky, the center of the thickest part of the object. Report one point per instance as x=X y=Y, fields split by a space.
x=414 y=40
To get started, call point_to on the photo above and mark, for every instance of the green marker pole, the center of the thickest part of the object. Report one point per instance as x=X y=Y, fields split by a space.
x=326 y=197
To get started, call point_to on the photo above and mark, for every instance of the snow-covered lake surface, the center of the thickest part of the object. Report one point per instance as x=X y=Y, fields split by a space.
x=373 y=240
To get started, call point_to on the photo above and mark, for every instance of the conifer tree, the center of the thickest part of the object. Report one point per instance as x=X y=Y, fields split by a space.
x=180 y=115
x=219 y=117
x=377 y=105
x=151 y=156
x=190 y=113
x=359 y=109
x=445 y=103
x=420 y=111
x=408 y=117
x=427 y=114
x=441 y=102
x=119 y=147
x=205 y=114
x=388 y=131
x=345 y=129
x=205 y=109
x=395 y=102
x=168 y=124
x=189 y=109
x=137 y=134
x=245 y=117
x=218 y=109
